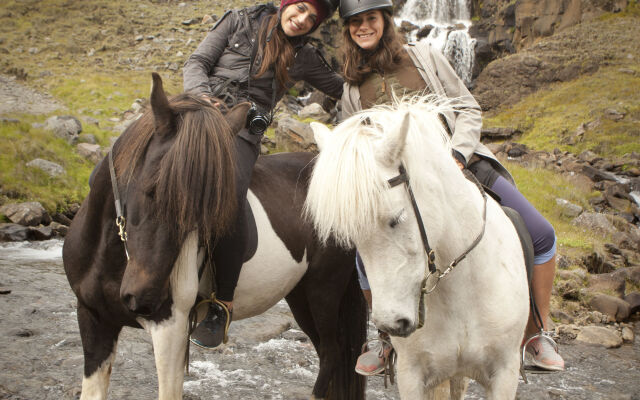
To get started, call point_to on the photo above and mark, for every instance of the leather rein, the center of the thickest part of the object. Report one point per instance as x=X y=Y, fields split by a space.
x=432 y=268
x=121 y=221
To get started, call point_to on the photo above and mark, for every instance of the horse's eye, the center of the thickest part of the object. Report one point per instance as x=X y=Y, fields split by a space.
x=397 y=219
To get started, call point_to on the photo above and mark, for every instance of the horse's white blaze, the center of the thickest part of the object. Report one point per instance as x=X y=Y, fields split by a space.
x=475 y=318
x=272 y=272
x=170 y=336
x=95 y=387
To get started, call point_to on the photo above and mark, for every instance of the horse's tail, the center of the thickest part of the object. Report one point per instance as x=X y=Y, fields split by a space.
x=352 y=333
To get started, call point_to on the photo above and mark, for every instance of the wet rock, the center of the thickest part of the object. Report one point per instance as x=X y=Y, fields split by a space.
x=41 y=233
x=568 y=332
x=48 y=167
x=598 y=335
x=627 y=334
x=407 y=26
x=13 y=233
x=568 y=209
x=28 y=214
x=315 y=111
x=61 y=219
x=516 y=150
x=634 y=302
x=424 y=31
x=59 y=230
x=616 y=308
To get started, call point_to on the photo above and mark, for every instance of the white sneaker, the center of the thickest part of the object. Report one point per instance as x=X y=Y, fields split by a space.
x=544 y=354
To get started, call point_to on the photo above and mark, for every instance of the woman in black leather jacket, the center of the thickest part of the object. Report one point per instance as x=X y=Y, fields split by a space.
x=255 y=54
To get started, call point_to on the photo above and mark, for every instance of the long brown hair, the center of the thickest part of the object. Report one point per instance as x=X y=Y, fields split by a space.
x=278 y=51
x=358 y=63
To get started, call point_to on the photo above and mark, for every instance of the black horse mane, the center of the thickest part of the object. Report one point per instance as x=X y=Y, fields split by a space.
x=194 y=184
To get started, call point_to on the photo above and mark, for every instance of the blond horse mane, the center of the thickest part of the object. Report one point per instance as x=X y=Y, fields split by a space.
x=347 y=191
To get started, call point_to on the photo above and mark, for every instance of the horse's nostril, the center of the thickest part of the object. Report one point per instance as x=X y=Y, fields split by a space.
x=403 y=324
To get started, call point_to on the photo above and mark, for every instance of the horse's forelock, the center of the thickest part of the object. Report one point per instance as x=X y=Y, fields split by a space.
x=349 y=163
x=195 y=183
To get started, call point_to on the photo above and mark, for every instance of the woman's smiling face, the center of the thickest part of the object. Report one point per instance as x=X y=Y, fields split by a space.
x=366 y=29
x=297 y=19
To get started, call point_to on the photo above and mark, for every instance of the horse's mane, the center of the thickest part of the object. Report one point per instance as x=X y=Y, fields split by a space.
x=194 y=184
x=347 y=191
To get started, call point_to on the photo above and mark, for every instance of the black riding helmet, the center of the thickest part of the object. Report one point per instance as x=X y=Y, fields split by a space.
x=349 y=8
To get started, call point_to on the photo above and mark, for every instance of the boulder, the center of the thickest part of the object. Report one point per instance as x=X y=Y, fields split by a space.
x=28 y=214
x=59 y=230
x=633 y=299
x=293 y=135
x=596 y=263
x=627 y=334
x=601 y=336
x=595 y=222
x=314 y=111
x=13 y=233
x=91 y=152
x=608 y=282
x=41 y=232
x=48 y=167
x=616 y=308
x=568 y=209
x=66 y=127
x=499 y=133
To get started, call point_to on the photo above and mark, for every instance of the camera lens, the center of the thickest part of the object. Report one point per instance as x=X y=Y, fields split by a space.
x=258 y=125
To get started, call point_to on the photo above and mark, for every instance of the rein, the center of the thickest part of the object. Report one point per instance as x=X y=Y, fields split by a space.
x=432 y=268
x=121 y=221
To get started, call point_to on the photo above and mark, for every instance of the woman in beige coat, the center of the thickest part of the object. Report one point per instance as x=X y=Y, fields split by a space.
x=377 y=64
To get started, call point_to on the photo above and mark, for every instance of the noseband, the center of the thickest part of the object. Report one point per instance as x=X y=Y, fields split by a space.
x=432 y=269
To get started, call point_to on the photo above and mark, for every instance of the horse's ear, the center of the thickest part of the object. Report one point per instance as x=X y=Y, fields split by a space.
x=393 y=143
x=237 y=116
x=162 y=115
x=321 y=133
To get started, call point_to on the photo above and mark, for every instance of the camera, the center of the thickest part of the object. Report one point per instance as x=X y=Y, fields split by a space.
x=257 y=121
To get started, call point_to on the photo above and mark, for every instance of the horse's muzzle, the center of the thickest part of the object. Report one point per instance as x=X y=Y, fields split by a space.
x=401 y=327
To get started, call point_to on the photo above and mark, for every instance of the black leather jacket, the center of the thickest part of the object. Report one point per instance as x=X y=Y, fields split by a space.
x=220 y=64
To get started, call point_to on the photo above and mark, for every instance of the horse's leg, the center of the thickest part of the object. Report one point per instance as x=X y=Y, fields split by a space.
x=170 y=336
x=338 y=313
x=99 y=342
x=503 y=384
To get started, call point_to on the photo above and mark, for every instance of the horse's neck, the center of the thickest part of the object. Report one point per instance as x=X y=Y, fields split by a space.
x=452 y=215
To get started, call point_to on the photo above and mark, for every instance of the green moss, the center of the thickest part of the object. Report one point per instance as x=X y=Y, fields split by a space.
x=22 y=143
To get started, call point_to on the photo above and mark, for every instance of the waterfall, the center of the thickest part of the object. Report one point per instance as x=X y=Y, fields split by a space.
x=450 y=21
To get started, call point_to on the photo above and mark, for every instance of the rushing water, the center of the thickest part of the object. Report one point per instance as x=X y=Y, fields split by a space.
x=451 y=21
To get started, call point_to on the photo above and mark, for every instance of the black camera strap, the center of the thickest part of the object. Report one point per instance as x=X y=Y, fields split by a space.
x=254 y=51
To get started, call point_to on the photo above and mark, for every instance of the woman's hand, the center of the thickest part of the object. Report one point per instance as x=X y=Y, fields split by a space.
x=458 y=163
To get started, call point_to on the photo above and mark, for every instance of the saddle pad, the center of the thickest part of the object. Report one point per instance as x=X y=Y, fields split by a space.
x=525 y=239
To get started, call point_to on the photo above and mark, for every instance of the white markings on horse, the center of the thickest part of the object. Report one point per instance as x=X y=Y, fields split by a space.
x=95 y=387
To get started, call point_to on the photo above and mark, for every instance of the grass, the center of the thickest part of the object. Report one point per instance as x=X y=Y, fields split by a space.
x=550 y=116
x=542 y=188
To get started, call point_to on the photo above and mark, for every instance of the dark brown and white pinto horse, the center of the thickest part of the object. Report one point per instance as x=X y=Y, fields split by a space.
x=175 y=180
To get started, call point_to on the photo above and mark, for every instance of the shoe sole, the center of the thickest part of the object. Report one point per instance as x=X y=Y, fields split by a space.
x=547 y=367
x=202 y=346
x=378 y=371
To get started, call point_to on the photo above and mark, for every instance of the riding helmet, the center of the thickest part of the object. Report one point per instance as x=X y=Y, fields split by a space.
x=349 y=8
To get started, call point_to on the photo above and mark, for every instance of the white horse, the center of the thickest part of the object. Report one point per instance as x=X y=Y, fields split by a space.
x=475 y=316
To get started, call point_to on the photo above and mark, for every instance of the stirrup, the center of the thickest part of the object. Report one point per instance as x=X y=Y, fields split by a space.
x=389 y=360
x=541 y=334
x=213 y=301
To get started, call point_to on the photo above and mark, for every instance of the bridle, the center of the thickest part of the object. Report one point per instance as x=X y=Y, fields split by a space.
x=432 y=269
x=121 y=221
